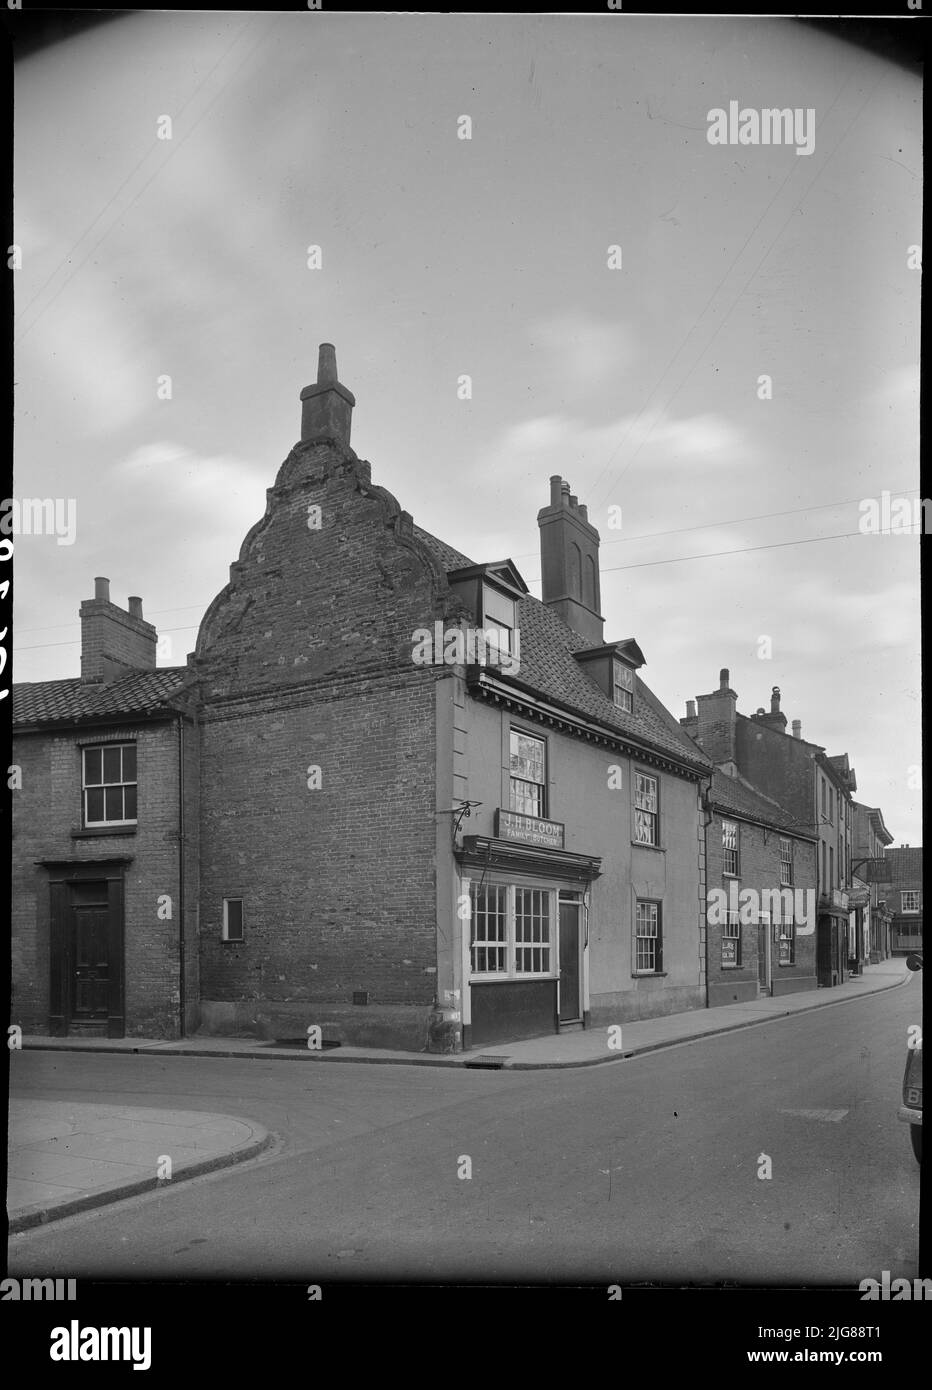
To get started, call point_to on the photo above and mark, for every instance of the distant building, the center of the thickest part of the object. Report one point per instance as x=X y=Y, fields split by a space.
x=816 y=791
x=904 y=898
x=869 y=840
x=764 y=941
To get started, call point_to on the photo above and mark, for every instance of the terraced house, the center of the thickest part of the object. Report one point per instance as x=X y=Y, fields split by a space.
x=401 y=799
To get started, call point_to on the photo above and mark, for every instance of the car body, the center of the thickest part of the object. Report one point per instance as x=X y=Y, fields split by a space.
x=911 y=1107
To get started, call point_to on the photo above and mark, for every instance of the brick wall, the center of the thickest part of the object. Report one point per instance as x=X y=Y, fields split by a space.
x=759 y=864
x=305 y=662
x=46 y=812
x=113 y=640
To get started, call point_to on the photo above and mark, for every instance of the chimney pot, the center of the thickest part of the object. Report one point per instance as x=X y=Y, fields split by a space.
x=326 y=364
x=574 y=501
x=797 y=729
x=584 y=511
x=102 y=589
x=556 y=486
x=723 y=678
x=775 y=700
x=690 y=709
x=135 y=606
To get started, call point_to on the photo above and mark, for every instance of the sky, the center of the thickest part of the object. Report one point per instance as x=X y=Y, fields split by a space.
x=639 y=375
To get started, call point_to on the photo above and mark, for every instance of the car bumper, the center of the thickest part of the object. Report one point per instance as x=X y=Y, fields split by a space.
x=912 y=1117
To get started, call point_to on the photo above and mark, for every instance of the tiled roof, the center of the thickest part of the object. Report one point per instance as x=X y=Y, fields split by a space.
x=549 y=667
x=737 y=796
x=905 y=866
x=450 y=559
x=70 y=701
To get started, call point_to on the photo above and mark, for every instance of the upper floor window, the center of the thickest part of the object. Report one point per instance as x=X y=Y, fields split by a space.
x=109 y=784
x=498 y=616
x=909 y=901
x=786 y=862
x=623 y=686
x=646 y=809
x=730 y=848
x=824 y=792
x=528 y=774
x=831 y=805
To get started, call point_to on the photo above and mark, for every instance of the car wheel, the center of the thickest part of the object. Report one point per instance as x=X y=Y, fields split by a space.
x=915 y=1134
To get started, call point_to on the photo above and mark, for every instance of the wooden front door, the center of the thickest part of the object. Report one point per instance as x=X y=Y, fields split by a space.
x=89 y=953
x=86 y=947
x=570 y=973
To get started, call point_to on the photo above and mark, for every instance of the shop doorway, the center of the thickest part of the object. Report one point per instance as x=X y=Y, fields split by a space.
x=571 y=944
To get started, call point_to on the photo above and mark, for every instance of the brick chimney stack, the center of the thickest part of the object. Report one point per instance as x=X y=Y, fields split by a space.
x=327 y=406
x=114 y=642
x=714 y=727
x=569 y=560
x=773 y=720
x=797 y=728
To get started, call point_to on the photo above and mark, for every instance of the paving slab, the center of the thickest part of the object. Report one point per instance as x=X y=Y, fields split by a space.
x=64 y=1158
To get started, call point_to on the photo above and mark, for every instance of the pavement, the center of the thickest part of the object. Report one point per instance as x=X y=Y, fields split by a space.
x=66 y=1157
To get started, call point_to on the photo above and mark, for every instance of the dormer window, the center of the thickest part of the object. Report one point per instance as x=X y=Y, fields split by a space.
x=611 y=667
x=623 y=685
x=498 y=616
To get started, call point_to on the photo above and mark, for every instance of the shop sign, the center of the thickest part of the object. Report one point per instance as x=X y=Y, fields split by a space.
x=528 y=830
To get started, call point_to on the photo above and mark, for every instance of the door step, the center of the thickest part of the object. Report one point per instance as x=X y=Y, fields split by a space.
x=576 y=1027
x=87 y=1030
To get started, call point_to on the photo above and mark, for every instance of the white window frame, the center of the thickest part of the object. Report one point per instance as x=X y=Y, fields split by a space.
x=656 y=936
x=635 y=809
x=909 y=893
x=786 y=862
x=102 y=786
x=499 y=613
x=731 y=931
x=511 y=945
x=225 y=936
x=727 y=849
x=516 y=731
x=623 y=685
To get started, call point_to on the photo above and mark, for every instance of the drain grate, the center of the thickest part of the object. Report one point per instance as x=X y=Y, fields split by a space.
x=489 y=1060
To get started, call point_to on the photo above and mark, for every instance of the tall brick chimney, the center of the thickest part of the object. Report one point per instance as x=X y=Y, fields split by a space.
x=775 y=719
x=569 y=561
x=114 y=642
x=714 y=728
x=327 y=407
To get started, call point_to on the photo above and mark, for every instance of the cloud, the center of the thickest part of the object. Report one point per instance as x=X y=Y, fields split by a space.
x=582 y=353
